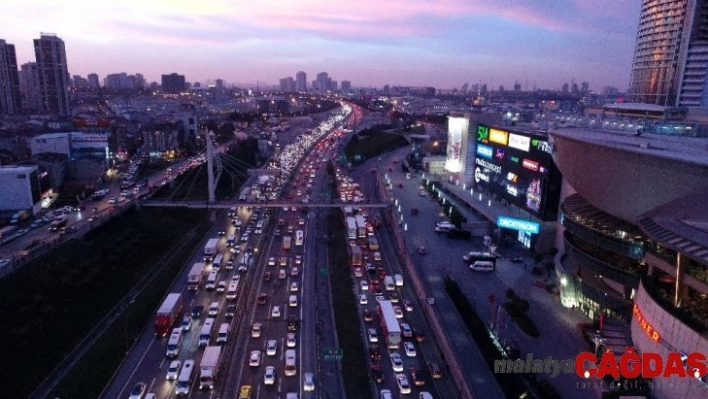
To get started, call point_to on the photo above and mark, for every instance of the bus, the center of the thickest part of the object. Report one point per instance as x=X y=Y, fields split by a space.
x=232 y=290
x=356 y=256
x=290 y=367
x=389 y=323
x=299 y=238
x=472 y=257
x=186 y=378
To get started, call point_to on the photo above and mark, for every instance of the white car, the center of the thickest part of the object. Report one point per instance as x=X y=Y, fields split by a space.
x=373 y=335
x=173 y=370
x=271 y=261
x=364 y=285
x=396 y=362
x=275 y=312
x=298 y=259
x=290 y=340
x=403 y=386
x=221 y=287
x=406 y=330
x=308 y=382
x=272 y=347
x=255 y=359
x=399 y=313
x=409 y=348
x=269 y=376
x=256 y=330
x=363 y=300
x=293 y=286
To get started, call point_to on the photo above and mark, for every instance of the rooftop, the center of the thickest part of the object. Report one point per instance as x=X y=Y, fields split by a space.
x=677 y=148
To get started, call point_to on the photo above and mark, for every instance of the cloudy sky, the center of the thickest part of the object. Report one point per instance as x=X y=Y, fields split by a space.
x=441 y=43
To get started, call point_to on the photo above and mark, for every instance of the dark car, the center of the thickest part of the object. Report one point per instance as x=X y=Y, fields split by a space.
x=197 y=311
x=435 y=370
x=378 y=375
x=262 y=298
x=374 y=353
x=419 y=335
x=368 y=315
x=268 y=276
x=417 y=377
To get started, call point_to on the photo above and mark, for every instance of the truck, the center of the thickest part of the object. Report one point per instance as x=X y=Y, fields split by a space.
x=389 y=323
x=167 y=314
x=195 y=276
x=209 y=367
x=360 y=226
x=5 y=233
x=356 y=256
x=351 y=227
x=210 y=248
x=287 y=242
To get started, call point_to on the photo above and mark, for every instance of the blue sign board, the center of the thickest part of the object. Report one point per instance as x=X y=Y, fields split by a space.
x=518 y=224
x=485 y=151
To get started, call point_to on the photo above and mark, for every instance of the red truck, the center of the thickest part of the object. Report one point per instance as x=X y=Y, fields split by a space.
x=167 y=314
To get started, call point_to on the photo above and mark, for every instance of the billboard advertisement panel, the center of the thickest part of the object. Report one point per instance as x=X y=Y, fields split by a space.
x=518 y=167
x=457 y=132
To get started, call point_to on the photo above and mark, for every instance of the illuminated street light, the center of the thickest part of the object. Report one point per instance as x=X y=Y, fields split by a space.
x=489 y=202
x=405 y=227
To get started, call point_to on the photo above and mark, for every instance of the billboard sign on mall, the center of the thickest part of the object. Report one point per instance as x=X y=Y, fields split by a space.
x=518 y=224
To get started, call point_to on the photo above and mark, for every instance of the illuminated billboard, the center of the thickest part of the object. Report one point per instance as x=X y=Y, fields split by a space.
x=457 y=131
x=518 y=168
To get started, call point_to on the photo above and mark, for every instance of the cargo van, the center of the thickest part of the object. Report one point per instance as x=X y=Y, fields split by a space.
x=186 y=377
x=482 y=266
x=292 y=301
x=223 y=334
x=398 y=280
x=174 y=342
x=205 y=333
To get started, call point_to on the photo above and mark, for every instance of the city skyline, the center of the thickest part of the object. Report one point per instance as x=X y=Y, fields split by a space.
x=417 y=43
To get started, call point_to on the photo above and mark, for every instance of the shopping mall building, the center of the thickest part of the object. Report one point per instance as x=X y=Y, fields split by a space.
x=633 y=239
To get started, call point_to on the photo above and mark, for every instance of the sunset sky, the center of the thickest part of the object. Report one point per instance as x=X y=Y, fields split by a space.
x=441 y=43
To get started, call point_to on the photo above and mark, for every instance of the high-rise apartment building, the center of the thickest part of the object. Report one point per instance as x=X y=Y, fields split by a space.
x=53 y=72
x=323 y=82
x=671 y=54
x=301 y=81
x=287 y=85
x=346 y=86
x=93 y=80
x=29 y=87
x=173 y=83
x=10 y=100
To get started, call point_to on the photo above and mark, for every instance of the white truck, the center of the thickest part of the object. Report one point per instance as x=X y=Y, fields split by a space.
x=360 y=226
x=210 y=248
x=195 y=276
x=209 y=367
x=351 y=227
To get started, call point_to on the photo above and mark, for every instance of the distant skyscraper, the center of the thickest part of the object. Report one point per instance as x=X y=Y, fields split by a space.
x=517 y=86
x=287 y=85
x=53 y=72
x=323 y=81
x=670 y=62
x=10 y=99
x=301 y=81
x=29 y=87
x=346 y=86
x=79 y=81
x=173 y=83
x=139 y=81
x=219 y=84
x=93 y=80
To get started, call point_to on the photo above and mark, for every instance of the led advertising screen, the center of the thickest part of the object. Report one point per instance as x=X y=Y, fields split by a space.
x=458 y=128
x=518 y=167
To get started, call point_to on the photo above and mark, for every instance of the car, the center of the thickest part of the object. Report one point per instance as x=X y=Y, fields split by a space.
x=419 y=335
x=364 y=285
x=221 y=232
x=283 y=261
x=230 y=311
x=406 y=330
x=417 y=377
x=256 y=330
x=138 y=391
x=254 y=360
x=378 y=375
x=262 y=298
x=221 y=287
x=294 y=271
x=408 y=305
x=197 y=311
x=393 y=296
x=214 y=309
x=282 y=275
x=374 y=353
x=403 y=386
x=372 y=334
x=113 y=201
x=271 y=261
x=272 y=347
x=422 y=193
x=275 y=312
x=368 y=315
x=186 y=323
x=301 y=222
x=290 y=340
x=399 y=313
x=277 y=232
x=235 y=277
x=308 y=382
x=298 y=259
x=173 y=370
x=357 y=272
x=268 y=276
x=230 y=264
x=409 y=348
x=281 y=222
x=363 y=300
x=396 y=362
x=435 y=370
x=269 y=375
x=293 y=286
